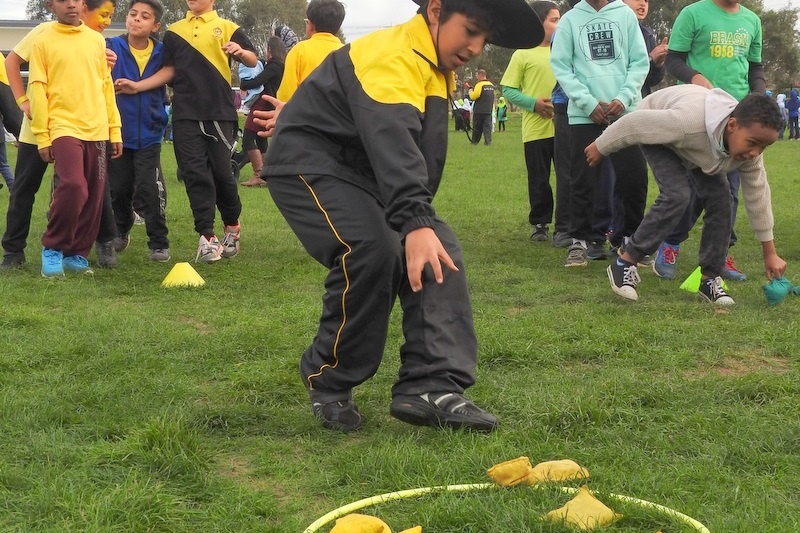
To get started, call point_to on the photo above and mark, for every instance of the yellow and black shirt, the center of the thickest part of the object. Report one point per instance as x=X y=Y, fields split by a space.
x=374 y=113
x=202 y=82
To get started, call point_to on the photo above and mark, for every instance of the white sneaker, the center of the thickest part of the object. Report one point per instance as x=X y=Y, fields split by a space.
x=208 y=250
x=230 y=242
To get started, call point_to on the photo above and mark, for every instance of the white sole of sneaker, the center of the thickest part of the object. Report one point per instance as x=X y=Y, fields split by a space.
x=626 y=291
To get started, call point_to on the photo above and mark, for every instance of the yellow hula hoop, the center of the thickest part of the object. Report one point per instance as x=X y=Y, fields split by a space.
x=412 y=493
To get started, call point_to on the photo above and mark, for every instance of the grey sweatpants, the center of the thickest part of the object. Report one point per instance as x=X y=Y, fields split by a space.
x=344 y=228
x=674 y=195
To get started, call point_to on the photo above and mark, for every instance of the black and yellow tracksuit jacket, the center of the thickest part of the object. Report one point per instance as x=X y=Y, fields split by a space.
x=374 y=114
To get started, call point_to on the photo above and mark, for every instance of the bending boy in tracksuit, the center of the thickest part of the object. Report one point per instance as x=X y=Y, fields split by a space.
x=357 y=156
x=144 y=120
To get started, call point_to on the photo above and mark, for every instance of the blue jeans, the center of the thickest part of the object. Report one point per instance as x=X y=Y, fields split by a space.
x=5 y=169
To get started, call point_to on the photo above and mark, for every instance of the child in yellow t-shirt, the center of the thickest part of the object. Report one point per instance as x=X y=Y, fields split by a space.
x=67 y=60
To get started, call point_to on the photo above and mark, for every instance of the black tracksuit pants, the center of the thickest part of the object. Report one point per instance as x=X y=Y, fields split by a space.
x=344 y=228
x=28 y=175
x=203 y=152
x=139 y=170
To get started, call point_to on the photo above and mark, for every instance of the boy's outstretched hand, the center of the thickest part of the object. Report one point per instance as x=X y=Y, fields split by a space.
x=423 y=247
x=267 y=119
x=774 y=266
x=593 y=155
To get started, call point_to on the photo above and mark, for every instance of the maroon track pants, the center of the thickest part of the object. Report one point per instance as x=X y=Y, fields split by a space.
x=77 y=201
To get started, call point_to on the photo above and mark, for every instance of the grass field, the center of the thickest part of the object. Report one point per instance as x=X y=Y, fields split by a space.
x=125 y=407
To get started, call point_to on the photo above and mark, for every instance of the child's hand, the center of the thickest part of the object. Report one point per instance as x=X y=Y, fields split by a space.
x=267 y=119
x=774 y=266
x=46 y=154
x=111 y=58
x=593 y=155
x=232 y=49
x=116 y=150
x=125 y=86
x=659 y=54
x=699 y=79
x=598 y=116
x=614 y=109
x=25 y=107
x=544 y=107
x=424 y=247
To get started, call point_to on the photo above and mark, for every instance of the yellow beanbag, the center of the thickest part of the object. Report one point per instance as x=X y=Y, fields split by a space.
x=584 y=511
x=359 y=523
x=550 y=471
x=511 y=472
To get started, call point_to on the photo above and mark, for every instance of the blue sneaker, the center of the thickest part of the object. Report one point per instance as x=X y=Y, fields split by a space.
x=76 y=263
x=51 y=263
x=730 y=272
x=666 y=257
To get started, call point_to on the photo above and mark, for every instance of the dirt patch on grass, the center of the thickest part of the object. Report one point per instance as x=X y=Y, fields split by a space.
x=201 y=327
x=742 y=365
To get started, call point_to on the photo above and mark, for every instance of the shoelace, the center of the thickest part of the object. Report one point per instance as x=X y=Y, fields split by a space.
x=715 y=288
x=729 y=264
x=669 y=254
x=630 y=276
x=229 y=239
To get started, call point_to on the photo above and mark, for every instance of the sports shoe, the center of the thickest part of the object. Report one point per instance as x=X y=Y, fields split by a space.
x=441 y=409
x=624 y=278
x=52 y=266
x=341 y=416
x=76 y=263
x=230 y=242
x=561 y=239
x=138 y=220
x=596 y=251
x=208 y=250
x=160 y=255
x=576 y=256
x=730 y=272
x=711 y=291
x=540 y=233
x=666 y=257
x=121 y=242
x=106 y=255
x=12 y=260
x=646 y=261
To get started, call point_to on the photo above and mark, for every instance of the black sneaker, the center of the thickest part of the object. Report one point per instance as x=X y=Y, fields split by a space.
x=624 y=278
x=121 y=242
x=576 y=256
x=106 y=255
x=596 y=251
x=12 y=260
x=540 y=233
x=441 y=409
x=712 y=292
x=341 y=416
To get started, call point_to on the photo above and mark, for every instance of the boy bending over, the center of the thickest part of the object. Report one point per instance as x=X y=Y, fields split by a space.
x=357 y=157
x=709 y=133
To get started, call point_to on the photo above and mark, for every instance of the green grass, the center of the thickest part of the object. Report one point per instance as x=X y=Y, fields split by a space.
x=125 y=407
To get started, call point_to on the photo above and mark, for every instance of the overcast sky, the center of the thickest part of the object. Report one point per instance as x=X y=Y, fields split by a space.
x=363 y=16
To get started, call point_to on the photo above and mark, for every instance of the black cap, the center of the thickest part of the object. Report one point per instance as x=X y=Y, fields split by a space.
x=513 y=25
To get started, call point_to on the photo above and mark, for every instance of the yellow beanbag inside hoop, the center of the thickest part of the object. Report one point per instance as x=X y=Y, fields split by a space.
x=563 y=470
x=510 y=473
x=361 y=523
x=584 y=511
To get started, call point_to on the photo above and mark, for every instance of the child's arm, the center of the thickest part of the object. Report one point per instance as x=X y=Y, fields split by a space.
x=162 y=77
x=37 y=92
x=758 y=203
x=13 y=63
x=114 y=120
x=638 y=67
x=246 y=57
x=291 y=75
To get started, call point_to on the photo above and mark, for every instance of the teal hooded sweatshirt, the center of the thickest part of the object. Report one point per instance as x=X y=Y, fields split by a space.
x=599 y=56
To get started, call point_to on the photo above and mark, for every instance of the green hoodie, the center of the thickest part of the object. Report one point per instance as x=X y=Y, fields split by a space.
x=599 y=56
